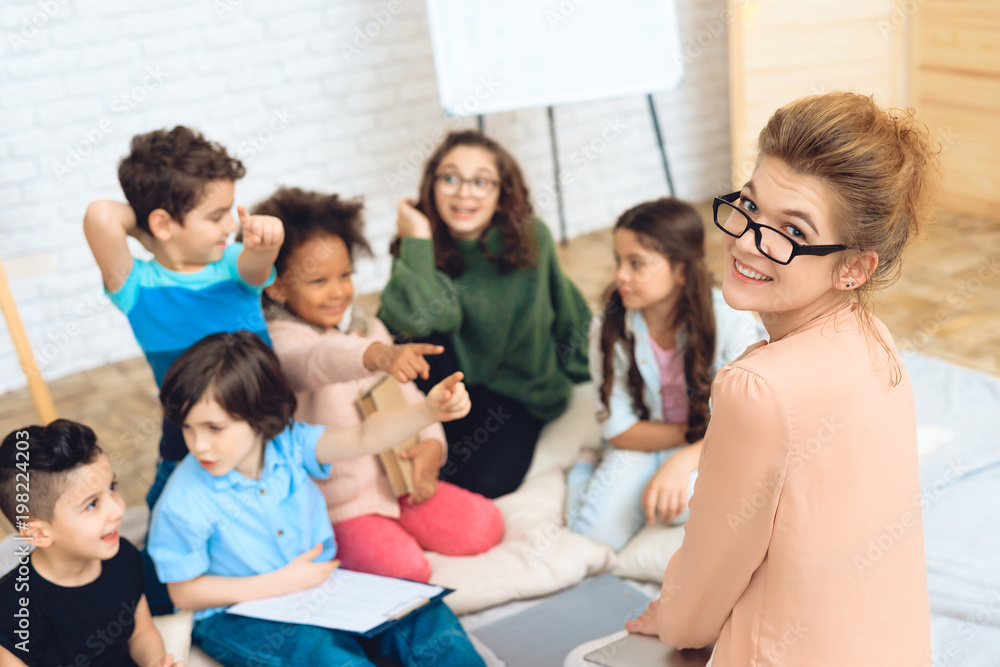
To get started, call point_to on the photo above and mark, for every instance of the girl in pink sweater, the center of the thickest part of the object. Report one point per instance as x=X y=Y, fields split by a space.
x=331 y=352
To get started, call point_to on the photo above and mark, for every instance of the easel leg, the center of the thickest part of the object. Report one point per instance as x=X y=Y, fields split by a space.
x=39 y=391
x=659 y=140
x=555 y=165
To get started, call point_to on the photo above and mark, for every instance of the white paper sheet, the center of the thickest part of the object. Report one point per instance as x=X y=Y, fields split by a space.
x=350 y=601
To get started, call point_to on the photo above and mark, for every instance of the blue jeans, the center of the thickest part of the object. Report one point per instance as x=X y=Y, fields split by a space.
x=156 y=591
x=605 y=504
x=429 y=637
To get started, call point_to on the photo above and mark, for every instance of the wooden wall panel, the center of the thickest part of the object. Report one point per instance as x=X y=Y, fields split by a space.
x=780 y=50
x=956 y=90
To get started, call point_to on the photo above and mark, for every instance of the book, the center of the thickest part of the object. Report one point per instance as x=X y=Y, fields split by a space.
x=355 y=602
x=387 y=395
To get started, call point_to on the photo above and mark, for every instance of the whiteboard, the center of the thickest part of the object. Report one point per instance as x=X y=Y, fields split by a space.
x=501 y=55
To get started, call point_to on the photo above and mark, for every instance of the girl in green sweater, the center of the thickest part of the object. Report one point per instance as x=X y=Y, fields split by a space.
x=474 y=271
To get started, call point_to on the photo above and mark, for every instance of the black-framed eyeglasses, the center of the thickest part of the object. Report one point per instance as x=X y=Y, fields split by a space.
x=773 y=244
x=479 y=187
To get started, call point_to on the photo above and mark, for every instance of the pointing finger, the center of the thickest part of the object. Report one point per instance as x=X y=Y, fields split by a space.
x=426 y=348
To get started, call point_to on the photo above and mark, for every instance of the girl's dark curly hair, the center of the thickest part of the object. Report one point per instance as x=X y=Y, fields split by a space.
x=307 y=213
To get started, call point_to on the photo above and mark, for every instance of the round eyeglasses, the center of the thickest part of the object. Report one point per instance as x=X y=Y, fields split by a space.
x=479 y=187
x=773 y=244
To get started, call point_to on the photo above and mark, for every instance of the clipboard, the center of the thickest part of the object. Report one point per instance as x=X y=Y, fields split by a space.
x=403 y=610
x=355 y=602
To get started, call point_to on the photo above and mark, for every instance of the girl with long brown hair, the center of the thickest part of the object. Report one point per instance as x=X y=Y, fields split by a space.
x=654 y=349
x=475 y=272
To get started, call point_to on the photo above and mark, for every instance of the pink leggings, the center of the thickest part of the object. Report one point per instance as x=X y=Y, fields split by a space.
x=454 y=522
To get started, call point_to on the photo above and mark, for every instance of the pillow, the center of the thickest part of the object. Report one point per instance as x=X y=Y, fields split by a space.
x=646 y=555
x=538 y=554
x=176 y=632
x=930 y=439
x=562 y=438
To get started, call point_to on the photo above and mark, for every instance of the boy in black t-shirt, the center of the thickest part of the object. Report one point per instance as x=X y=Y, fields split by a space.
x=77 y=599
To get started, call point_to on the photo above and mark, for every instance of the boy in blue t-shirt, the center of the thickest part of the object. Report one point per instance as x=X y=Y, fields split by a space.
x=179 y=188
x=77 y=599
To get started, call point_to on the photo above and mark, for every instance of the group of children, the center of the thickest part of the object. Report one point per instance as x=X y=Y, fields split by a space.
x=268 y=477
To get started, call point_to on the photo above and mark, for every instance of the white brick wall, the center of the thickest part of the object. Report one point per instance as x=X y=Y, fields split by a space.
x=78 y=78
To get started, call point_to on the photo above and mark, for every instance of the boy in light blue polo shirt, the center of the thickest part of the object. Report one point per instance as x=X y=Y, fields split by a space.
x=240 y=519
x=262 y=524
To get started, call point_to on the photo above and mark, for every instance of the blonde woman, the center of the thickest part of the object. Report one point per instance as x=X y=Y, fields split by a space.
x=810 y=457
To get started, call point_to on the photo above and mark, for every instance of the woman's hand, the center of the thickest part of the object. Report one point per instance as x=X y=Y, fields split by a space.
x=411 y=222
x=426 y=457
x=646 y=623
x=666 y=492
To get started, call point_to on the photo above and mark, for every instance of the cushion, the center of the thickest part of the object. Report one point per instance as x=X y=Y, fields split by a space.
x=538 y=554
x=646 y=555
x=176 y=632
x=930 y=439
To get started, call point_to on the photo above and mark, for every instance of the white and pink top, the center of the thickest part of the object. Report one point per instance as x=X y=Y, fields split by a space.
x=675 y=401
